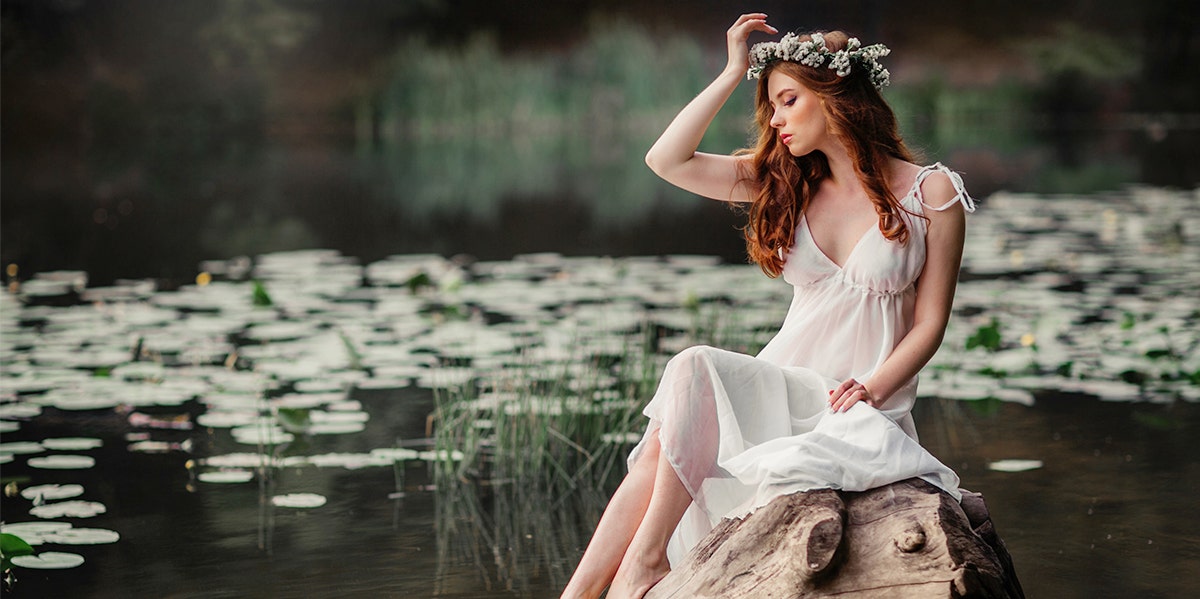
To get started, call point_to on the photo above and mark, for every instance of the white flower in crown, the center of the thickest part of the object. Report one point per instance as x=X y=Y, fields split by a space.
x=840 y=63
x=813 y=53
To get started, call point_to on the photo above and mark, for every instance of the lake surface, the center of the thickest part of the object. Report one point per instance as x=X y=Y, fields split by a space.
x=1074 y=345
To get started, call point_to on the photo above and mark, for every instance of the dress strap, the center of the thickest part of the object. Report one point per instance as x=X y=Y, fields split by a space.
x=955 y=180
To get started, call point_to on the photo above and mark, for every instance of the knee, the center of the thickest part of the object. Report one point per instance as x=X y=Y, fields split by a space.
x=694 y=354
x=648 y=452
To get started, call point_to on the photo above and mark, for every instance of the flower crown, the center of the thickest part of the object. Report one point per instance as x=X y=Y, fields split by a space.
x=814 y=53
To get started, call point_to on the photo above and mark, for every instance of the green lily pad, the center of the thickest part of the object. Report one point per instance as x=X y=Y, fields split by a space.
x=49 y=560
x=43 y=493
x=62 y=462
x=72 y=443
x=299 y=500
x=226 y=476
x=1013 y=465
x=68 y=509
x=83 y=536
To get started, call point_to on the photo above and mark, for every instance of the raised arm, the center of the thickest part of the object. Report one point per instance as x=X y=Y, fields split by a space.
x=674 y=157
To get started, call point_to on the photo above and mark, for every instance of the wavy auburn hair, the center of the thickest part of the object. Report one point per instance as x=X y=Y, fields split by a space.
x=783 y=184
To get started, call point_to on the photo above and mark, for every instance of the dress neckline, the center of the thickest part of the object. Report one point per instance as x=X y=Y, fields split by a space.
x=874 y=227
x=821 y=252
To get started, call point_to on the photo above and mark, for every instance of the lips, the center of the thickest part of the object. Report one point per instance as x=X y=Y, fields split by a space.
x=785 y=137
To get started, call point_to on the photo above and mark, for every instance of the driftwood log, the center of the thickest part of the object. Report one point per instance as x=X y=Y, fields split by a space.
x=907 y=539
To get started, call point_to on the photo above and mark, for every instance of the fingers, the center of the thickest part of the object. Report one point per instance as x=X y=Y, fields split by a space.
x=845 y=395
x=738 y=34
x=844 y=402
x=758 y=16
x=752 y=22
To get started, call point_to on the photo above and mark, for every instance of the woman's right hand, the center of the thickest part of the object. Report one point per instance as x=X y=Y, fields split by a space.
x=675 y=158
x=739 y=52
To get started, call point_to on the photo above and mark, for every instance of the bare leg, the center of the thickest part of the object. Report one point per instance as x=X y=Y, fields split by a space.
x=616 y=528
x=645 y=562
x=629 y=548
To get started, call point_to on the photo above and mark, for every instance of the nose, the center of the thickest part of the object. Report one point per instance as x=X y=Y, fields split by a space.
x=776 y=120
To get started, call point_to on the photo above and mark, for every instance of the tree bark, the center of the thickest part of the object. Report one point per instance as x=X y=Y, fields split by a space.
x=907 y=539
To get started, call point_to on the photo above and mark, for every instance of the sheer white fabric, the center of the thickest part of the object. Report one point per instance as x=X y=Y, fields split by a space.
x=742 y=430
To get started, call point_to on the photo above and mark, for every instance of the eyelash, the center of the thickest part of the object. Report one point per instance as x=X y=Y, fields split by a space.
x=790 y=102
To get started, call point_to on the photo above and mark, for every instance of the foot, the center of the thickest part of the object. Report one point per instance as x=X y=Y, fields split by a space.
x=637 y=575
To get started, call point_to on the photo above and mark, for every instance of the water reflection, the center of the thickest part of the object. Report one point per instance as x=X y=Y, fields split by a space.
x=472 y=148
x=1101 y=297
x=494 y=153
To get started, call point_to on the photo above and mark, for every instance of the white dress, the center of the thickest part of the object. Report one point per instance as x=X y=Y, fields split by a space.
x=742 y=430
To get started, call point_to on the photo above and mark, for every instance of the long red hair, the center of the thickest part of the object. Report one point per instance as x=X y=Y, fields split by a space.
x=783 y=184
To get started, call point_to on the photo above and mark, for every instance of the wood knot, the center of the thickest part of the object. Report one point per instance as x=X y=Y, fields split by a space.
x=911 y=540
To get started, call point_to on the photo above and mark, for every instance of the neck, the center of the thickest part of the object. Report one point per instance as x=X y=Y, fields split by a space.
x=842 y=173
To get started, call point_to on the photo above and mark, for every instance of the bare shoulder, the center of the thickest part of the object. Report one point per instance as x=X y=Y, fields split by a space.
x=938 y=190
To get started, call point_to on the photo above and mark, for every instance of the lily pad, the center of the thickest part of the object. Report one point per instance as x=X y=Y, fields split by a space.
x=226 y=419
x=43 y=493
x=350 y=461
x=62 y=462
x=19 y=410
x=151 y=446
x=49 y=560
x=68 y=509
x=299 y=500
x=254 y=435
x=239 y=460
x=1014 y=465
x=394 y=454
x=83 y=536
x=21 y=447
x=72 y=443
x=226 y=476
x=337 y=428
x=442 y=455
x=33 y=532
x=621 y=438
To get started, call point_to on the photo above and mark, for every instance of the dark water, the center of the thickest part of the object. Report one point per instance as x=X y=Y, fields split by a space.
x=1105 y=517
x=160 y=216
x=135 y=171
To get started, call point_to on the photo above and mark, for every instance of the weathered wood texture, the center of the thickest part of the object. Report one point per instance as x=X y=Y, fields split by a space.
x=905 y=540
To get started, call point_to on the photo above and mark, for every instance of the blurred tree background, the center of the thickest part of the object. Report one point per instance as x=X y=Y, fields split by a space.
x=140 y=137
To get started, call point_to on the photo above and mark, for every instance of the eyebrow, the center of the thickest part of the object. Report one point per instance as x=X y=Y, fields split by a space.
x=784 y=91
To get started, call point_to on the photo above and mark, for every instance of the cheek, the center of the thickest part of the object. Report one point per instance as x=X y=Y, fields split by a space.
x=812 y=118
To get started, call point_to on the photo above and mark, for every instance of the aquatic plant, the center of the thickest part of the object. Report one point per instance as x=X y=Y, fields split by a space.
x=11 y=546
x=547 y=435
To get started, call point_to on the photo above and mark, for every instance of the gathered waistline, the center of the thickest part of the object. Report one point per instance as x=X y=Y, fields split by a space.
x=841 y=279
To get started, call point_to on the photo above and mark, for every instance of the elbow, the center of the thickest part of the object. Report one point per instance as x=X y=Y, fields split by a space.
x=654 y=162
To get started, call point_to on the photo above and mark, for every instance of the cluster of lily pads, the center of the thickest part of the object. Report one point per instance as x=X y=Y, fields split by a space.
x=541 y=363
x=1095 y=295
x=50 y=502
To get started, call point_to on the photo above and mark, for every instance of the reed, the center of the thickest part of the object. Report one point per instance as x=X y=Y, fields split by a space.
x=544 y=445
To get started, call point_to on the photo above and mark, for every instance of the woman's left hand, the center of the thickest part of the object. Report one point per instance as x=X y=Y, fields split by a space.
x=849 y=393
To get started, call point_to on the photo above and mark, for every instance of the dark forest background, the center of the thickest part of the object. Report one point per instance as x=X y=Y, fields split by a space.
x=140 y=136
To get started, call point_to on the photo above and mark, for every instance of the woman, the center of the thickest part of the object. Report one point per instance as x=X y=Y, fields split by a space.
x=872 y=244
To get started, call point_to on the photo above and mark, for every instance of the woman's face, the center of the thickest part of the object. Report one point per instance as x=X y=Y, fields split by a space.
x=798 y=115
